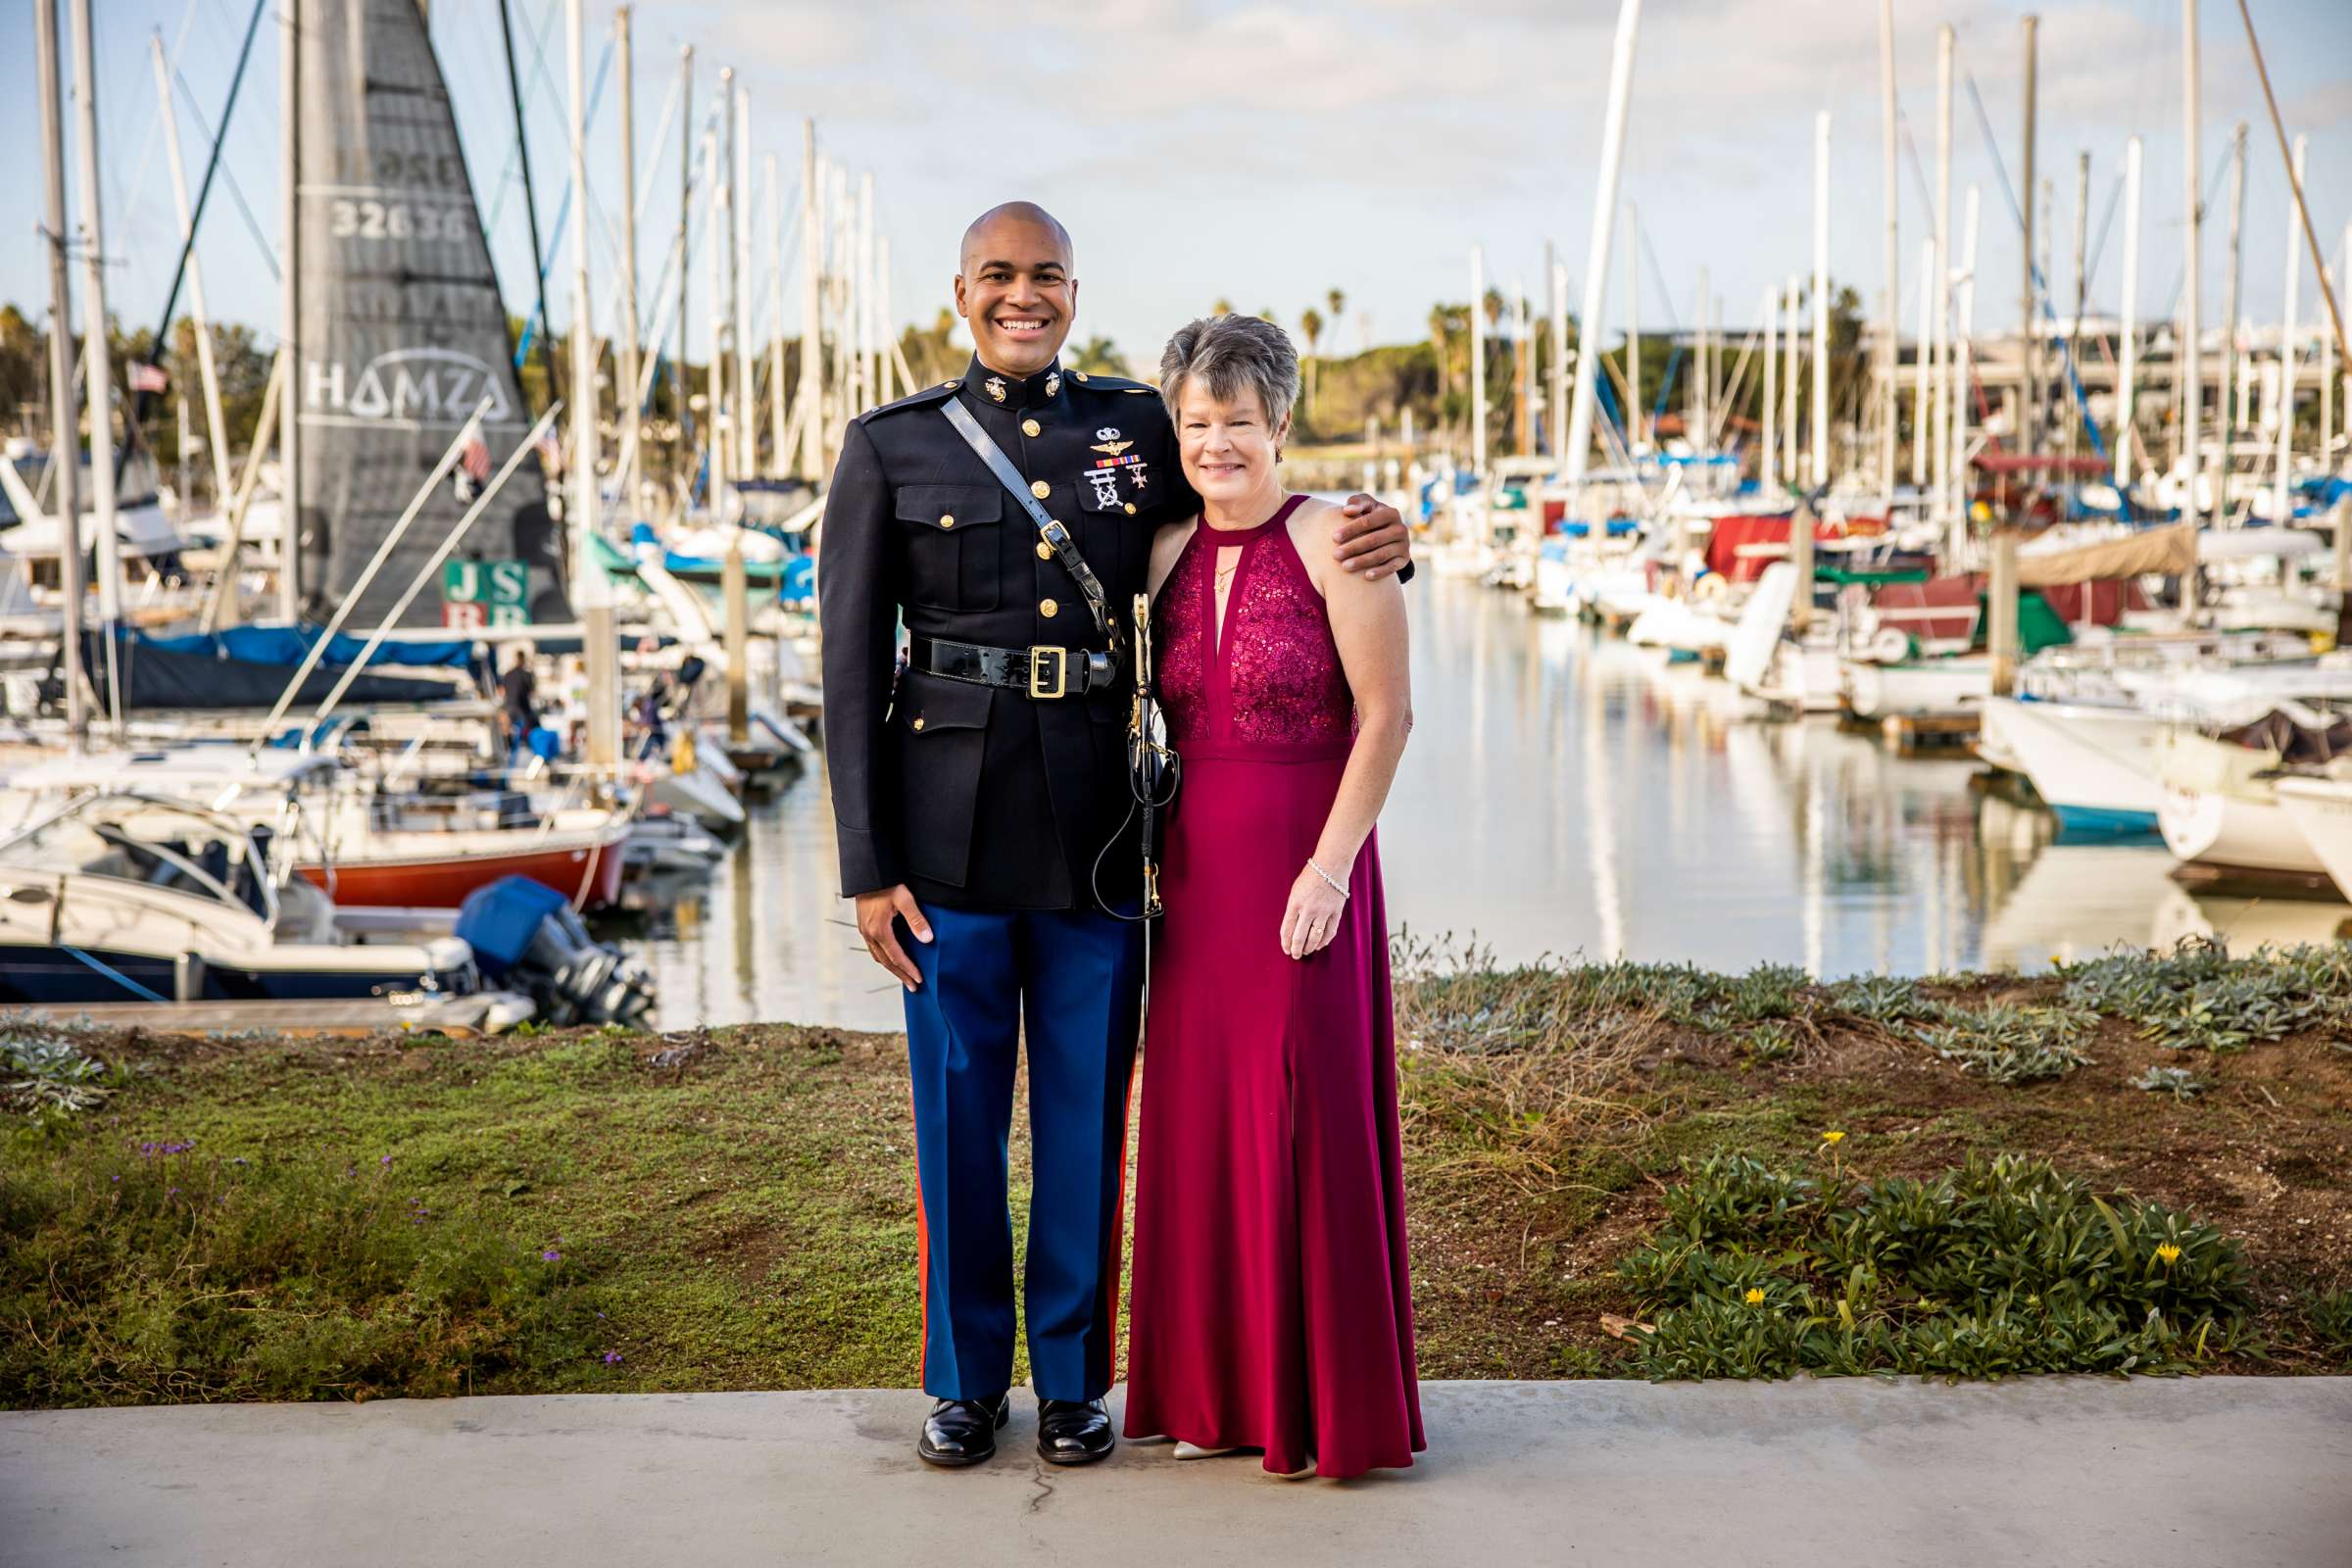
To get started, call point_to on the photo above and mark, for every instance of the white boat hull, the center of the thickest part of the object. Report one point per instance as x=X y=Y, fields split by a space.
x=1927 y=686
x=2322 y=810
x=2095 y=767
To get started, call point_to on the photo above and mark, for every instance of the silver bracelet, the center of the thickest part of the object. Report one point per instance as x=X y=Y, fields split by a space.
x=1326 y=876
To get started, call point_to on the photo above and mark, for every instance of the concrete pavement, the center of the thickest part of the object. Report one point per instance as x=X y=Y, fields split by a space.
x=2075 y=1471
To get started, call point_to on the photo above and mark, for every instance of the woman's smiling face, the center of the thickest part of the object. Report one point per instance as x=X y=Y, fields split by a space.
x=1228 y=449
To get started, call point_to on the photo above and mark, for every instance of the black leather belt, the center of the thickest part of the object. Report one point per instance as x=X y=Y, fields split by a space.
x=1041 y=672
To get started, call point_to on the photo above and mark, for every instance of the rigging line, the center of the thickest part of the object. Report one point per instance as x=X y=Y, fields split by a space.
x=1918 y=171
x=228 y=177
x=554 y=238
x=180 y=273
x=661 y=146
x=530 y=203
x=2090 y=273
x=1658 y=276
x=519 y=153
x=129 y=195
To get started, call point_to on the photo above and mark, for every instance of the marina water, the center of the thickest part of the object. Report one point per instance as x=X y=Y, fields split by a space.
x=1570 y=795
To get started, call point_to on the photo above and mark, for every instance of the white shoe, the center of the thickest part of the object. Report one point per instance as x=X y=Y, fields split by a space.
x=1194 y=1450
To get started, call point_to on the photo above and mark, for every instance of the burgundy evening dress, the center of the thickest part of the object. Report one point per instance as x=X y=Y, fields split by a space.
x=1272 y=1304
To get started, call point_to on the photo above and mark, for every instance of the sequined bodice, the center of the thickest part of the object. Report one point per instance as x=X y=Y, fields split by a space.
x=1270 y=684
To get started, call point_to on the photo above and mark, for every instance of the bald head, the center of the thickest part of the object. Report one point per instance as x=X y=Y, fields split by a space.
x=1014 y=287
x=1012 y=230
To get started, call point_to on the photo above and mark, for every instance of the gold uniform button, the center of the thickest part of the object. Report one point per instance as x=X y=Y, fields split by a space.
x=1131 y=509
x=1041 y=489
x=950 y=386
x=1078 y=375
x=1047 y=609
x=946 y=519
x=1030 y=428
x=1045 y=551
x=918 y=723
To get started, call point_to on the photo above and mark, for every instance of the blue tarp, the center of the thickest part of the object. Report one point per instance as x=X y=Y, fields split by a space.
x=290 y=644
x=498 y=922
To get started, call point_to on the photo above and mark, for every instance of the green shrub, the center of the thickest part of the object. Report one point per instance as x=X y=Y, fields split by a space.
x=2001 y=1267
x=2197 y=997
x=151 y=1272
x=2331 y=1324
x=2007 y=1044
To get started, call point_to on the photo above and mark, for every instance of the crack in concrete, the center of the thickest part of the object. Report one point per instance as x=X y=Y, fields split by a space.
x=1044 y=1487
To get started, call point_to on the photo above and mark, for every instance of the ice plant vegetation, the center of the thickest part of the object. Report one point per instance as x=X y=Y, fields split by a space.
x=2003 y=1267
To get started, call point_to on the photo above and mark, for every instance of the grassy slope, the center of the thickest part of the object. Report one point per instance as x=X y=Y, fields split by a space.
x=739 y=1204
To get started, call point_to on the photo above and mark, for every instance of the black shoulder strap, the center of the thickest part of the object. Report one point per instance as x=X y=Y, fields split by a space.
x=1049 y=526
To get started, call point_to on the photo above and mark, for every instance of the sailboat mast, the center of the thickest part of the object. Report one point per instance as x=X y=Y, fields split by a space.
x=580 y=510
x=2233 y=388
x=1478 y=360
x=1821 y=308
x=1772 y=387
x=217 y=425
x=289 y=314
x=812 y=310
x=2029 y=342
x=2279 y=513
x=65 y=436
x=744 y=423
x=1557 y=405
x=780 y=459
x=2128 y=353
x=1789 y=383
x=719 y=239
x=1597 y=261
x=1633 y=333
x=1890 y=413
x=97 y=365
x=625 y=410
x=2190 y=402
x=686 y=144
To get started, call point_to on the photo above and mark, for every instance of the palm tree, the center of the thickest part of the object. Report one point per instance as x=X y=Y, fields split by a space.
x=1311 y=322
x=1223 y=306
x=1337 y=299
x=1097 y=356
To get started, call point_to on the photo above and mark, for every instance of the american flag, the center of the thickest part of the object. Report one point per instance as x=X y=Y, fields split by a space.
x=474 y=457
x=148 y=378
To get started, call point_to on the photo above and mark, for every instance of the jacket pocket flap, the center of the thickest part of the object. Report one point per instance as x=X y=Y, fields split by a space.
x=928 y=702
x=950 y=506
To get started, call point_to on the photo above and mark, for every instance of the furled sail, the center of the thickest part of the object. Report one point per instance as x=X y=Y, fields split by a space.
x=402 y=330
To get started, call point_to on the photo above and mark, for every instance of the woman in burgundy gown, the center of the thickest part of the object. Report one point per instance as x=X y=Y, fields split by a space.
x=1272 y=1305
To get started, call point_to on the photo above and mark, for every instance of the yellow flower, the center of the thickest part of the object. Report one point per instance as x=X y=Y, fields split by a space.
x=1833 y=1138
x=2166 y=1253
x=1756 y=1296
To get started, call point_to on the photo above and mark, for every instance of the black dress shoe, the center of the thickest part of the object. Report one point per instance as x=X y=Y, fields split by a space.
x=1073 y=1431
x=962 y=1432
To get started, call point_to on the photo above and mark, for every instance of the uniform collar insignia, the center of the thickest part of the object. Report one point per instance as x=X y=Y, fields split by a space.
x=1011 y=391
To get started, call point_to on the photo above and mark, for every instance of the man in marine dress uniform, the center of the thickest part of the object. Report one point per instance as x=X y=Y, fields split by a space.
x=974 y=795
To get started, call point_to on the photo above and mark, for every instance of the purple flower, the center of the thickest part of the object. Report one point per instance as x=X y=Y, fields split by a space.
x=612 y=1357
x=551 y=1255
x=386 y=1160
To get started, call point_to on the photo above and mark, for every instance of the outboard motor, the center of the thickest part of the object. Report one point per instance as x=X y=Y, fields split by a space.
x=526 y=937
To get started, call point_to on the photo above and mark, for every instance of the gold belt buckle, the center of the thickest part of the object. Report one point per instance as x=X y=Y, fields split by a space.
x=1060 y=657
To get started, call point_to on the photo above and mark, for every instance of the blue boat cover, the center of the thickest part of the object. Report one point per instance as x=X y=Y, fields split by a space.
x=498 y=922
x=290 y=644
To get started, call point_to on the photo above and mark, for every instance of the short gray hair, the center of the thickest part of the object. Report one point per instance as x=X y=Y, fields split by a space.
x=1232 y=355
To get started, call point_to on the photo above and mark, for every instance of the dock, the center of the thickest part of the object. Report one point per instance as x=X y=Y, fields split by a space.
x=468 y=1017
x=1915 y=734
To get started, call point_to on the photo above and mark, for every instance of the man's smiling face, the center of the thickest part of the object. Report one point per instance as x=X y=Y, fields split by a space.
x=1015 y=288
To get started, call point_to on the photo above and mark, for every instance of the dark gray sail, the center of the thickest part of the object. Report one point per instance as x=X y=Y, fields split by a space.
x=402 y=330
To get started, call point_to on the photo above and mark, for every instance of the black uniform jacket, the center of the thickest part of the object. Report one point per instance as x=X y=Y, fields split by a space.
x=974 y=795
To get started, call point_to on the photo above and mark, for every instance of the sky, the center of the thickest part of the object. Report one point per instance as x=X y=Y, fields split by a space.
x=1268 y=151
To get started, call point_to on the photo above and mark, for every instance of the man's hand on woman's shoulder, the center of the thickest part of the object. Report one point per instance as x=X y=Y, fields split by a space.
x=1371 y=539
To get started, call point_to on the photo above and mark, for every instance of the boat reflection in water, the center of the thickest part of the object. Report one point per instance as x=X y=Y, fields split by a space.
x=1571 y=794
